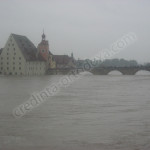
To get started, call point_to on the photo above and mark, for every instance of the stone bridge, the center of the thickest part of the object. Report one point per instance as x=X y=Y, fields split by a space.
x=123 y=70
x=98 y=70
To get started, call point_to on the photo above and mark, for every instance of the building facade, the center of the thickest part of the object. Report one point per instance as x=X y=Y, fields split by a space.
x=20 y=57
x=43 y=50
x=64 y=61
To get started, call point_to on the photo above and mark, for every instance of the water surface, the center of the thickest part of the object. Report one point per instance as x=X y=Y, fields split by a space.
x=94 y=113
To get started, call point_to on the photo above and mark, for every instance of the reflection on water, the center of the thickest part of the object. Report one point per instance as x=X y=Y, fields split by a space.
x=115 y=73
x=143 y=72
x=94 y=113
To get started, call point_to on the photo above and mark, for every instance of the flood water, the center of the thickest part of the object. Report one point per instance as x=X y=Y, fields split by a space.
x=94 y=113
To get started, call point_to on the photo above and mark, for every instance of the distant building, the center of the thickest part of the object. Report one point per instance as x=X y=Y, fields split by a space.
x=64 y=61
x=20 y=57
x=54 y=61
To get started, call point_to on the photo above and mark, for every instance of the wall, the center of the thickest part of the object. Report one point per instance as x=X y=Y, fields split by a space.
x=35 y=68
x=13 y=62
x=12 y=59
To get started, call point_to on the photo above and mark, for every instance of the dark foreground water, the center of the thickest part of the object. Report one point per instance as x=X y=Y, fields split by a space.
x=94 y=113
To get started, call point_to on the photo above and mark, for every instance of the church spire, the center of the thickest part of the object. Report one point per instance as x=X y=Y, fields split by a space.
x=43 y=36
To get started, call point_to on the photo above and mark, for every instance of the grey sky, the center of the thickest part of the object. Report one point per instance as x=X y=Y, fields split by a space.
x=84 y=27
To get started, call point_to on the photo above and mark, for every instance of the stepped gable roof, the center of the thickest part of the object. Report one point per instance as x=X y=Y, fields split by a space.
x=27 y=47
x=62 y=59
x=1 y=50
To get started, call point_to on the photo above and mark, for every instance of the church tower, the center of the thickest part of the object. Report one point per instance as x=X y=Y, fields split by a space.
x=43 y=50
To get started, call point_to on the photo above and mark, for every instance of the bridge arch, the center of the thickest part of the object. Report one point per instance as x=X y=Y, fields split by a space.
x=115 y=72
x=123 y=70
x=106 y=71
x=143 y=72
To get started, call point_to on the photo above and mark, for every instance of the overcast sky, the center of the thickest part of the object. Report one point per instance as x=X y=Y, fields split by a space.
x=83 y=27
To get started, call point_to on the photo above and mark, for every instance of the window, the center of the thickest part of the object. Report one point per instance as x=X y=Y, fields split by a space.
x=1 y=63
x=19 y=68
x=7 y=63
x=13 y=58
x=8 y=49
x=13 y=63
x=12 y=44
x=8 y=44
x=7 y=53
x=1 y=58
x=43 y=50
x=7 y=58
x=14 y=49
x=19 y=63
x=19 y=58
x=1 y=68
x=13 y=68
x=14 y=53
x=7 y=68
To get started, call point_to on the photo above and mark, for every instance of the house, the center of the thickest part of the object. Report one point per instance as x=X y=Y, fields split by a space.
x=21 y=57
x=64 y=61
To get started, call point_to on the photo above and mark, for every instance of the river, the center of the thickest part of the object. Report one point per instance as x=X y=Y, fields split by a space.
x=93 y=113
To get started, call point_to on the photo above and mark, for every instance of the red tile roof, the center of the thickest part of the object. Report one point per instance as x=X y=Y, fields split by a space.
x=62 y=59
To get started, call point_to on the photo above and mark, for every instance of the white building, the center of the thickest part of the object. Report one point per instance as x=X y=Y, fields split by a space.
x=20 y=57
